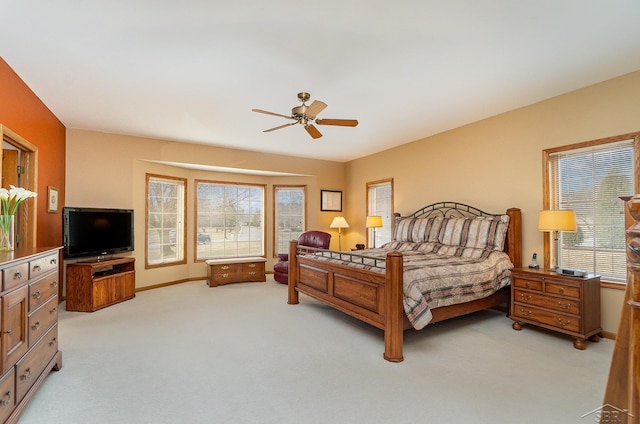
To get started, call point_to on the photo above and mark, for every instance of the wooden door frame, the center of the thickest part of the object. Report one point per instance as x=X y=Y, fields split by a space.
x=29 y=180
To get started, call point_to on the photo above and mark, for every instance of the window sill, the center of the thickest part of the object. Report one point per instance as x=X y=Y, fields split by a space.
x=616 y=285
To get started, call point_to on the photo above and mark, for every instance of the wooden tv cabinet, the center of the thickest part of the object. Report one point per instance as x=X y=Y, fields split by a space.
x=94 y=285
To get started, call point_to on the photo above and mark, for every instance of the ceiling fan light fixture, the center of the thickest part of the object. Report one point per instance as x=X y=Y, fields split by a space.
x=306 y=115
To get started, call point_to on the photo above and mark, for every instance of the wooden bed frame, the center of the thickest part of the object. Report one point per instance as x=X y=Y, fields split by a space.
x=375 y=297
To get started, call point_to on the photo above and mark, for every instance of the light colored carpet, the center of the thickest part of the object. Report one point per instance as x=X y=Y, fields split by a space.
x=239 y=354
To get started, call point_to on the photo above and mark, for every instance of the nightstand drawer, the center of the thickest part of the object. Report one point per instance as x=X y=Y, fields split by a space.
x=564 y=322
x=528 y=284
x=548 y=302
x=563 y=290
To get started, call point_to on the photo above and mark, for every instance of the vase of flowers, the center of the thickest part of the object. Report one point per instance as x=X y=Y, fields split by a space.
x=9 y=202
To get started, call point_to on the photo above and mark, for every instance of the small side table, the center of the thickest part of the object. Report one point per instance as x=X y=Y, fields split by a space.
x=566 y=304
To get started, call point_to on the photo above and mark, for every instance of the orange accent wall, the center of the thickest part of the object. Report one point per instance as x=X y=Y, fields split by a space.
x=25 y=114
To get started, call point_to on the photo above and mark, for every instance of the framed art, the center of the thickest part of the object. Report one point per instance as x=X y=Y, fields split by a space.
x=53 y=199
x=331 y=200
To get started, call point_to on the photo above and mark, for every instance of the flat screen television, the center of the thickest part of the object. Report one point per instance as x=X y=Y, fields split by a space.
x=96 y=231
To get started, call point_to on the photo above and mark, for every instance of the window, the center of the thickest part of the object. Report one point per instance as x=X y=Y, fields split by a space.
x=230 y=220
x=380 y=202
x=290 y=210
x=590 y=178
x=165 y=220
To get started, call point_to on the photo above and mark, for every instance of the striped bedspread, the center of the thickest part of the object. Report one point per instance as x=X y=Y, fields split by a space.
x=440 y=275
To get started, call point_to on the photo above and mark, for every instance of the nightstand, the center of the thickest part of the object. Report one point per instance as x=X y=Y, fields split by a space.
x=566 y=304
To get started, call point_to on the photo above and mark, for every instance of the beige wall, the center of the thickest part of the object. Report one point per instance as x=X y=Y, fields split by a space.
x=493 y=164
x=496 y=163
x=107 y=170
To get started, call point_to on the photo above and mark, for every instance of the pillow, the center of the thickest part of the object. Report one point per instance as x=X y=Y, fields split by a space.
x=417 y=230
x=478 y=232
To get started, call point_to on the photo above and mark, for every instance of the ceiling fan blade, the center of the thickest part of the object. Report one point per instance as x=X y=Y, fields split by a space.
x=271 y=113
x=280 y=126
x=315 y=108
x=339 y=122
x=313 y=131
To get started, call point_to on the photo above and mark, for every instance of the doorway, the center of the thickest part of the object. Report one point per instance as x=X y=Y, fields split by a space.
x=19 y=164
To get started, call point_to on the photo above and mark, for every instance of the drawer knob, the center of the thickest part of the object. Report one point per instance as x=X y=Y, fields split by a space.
x=562 y=323
x=523 y=297
x=36 y=267
x=17 y=275
x=527 y=284
x=53 y=310
x=26 y=375
x=225 y=275
x=37 y=295
x=53 y=342
x=7 y=331
x=225 y=267
x=561 y=290
x=7 y=398
x=525 y=313
x=53 y=261
x=252 y=265
x=36 y=325
x=252 y=273
x=54 y=284
x=565 y=306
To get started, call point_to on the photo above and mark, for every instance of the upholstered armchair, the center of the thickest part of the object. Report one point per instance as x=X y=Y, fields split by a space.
x=318 y=239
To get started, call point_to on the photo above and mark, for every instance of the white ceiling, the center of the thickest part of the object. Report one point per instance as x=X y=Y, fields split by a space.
x=192 y=70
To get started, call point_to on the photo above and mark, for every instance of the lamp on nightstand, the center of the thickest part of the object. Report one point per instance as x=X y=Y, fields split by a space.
x=339 y=222
x=374 y=221
x=554 y=221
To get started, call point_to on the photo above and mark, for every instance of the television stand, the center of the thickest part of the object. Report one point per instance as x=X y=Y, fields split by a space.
x=94 y=285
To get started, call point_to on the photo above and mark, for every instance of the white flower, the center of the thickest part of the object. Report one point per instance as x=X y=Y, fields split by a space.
x=11 y=199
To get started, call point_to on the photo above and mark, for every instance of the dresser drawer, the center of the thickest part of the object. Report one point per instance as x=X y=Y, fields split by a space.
x=550 y=302
x=42 y=290
x=226 y=268
x=7 y=394
x=15 y=276
x=527 y=284
x=253 y=271
x=43 y=265
x=564 y=322
x=32 y=364
x=42 y=319
x=563 y=290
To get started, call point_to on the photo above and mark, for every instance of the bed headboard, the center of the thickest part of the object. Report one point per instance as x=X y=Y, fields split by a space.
x=513 y=242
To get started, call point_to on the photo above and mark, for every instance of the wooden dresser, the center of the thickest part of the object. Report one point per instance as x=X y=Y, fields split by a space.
x=569 y=305
x=28 y=325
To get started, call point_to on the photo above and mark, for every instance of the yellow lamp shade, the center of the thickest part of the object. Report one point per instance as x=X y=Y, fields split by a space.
x=374 y=221
x=339 y=222
x=557 y=220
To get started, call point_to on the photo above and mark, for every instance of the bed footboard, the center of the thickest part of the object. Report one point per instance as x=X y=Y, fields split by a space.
x=373 y=297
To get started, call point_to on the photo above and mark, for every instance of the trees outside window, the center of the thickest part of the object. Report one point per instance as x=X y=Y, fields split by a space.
x=165 y=230
x=229 y=220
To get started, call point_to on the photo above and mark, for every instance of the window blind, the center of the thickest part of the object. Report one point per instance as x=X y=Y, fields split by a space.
x=590 y=181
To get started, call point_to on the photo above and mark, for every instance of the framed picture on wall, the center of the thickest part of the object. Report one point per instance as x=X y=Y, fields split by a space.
x=53 y=199
x=331 y=200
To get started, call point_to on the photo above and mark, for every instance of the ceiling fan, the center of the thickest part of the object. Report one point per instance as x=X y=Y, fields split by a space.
x=306 y=116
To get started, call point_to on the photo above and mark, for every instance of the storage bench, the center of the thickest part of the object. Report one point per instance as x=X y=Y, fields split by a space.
x=235 y=270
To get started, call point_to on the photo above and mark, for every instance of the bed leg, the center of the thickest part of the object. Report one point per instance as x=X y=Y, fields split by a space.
x=293 y=273
x=394 y=312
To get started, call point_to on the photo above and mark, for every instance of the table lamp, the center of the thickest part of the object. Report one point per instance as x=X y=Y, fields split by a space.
x=339 y=222
x=374 y=221
x=554 y=221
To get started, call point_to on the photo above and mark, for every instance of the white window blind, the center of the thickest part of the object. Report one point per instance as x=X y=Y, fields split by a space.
x=380 y=202
x=590 y=181
x=290 y=215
